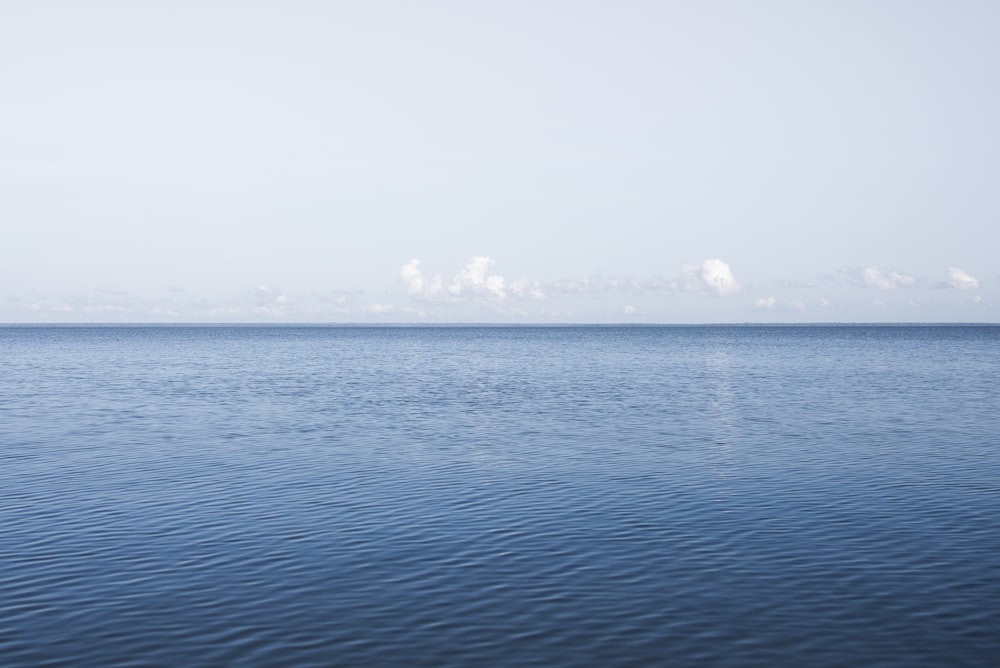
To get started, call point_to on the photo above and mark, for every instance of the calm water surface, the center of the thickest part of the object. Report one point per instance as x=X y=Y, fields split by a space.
x=711 y=496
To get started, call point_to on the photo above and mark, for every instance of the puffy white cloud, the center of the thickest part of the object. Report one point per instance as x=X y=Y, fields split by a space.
x=474 y=282
x=478 y=282
x=628 y=309
x=476 y=279
x=961 y=280
x=713 y=274
x=418 y=284
x=873 y=277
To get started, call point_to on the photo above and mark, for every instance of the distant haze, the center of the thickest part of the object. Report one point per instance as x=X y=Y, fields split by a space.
x=499 y=161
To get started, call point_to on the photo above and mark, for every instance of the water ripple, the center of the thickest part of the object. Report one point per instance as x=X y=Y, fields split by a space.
x=572 y=496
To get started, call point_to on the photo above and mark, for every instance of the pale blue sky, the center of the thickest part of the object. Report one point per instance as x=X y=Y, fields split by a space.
x=543 y=161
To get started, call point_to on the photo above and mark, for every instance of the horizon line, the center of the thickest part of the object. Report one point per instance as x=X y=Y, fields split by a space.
x=858 y=323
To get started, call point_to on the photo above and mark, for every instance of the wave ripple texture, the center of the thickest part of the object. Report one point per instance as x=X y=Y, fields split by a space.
x=711 y=496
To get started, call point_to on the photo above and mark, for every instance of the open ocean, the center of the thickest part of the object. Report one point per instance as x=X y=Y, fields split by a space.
x=482 y=496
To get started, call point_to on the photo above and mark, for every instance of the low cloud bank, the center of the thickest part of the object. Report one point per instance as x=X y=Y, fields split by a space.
x=873 y=277
x=476 y=281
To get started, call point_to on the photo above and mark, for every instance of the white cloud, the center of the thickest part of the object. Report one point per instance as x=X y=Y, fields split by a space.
x=961 y=280
x=474 y=282
x=270 y=301
x=771 y=303
x=713 y=274
x=874 y=277
x=380 y=309
x=574 y=287
x=526 y=288
x=765 y=302
x=417 y=283
x=628 y=309
x=476 y=279
x=336 y=297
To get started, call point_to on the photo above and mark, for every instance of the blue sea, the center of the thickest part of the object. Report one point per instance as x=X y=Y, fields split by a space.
x=489 y=496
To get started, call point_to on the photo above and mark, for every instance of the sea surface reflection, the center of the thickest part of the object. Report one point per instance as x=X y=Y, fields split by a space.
x=500 y=496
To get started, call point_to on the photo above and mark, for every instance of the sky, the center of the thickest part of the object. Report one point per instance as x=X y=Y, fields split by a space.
x=540 y=161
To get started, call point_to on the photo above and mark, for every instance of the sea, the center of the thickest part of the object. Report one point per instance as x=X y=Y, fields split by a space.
x=500 y=496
